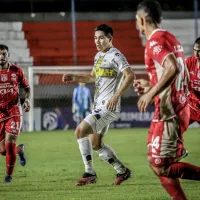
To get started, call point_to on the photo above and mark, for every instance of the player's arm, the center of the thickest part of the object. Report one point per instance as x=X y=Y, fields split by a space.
x=83 y=78
x=127 y=82
x=170 y=71
x=23 y=83
x=74 y=101
x=27 y=91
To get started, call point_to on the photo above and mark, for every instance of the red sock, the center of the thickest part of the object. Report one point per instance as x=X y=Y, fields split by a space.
x=173 y=188
x=10 y=157
x=184 y=171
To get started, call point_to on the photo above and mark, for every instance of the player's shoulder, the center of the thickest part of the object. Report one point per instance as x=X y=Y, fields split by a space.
x=15 y=67
x=191 y=60
x=116 y=53
x=160 y=36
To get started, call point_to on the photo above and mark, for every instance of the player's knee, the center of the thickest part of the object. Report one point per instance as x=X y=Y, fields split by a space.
x=10 y=138
x=96 y=146
x=149 y=160
x=2 y=150
x=159 y=171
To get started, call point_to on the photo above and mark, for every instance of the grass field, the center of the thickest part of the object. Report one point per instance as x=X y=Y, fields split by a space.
x=54 y=164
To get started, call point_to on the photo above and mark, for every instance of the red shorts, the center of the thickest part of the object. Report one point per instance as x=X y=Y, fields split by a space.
x=194 y=115
x=165 y=141
x=11 y=125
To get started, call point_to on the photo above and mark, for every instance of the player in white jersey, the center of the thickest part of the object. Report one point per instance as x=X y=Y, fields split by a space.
x=112 y=76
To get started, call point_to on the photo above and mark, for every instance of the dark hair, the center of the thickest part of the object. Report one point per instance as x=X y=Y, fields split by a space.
x=105 y=28
x=2 y=47
x=197 y=41
x=153 y=10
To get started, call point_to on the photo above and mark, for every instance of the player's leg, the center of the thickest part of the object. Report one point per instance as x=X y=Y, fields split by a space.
x=164 y=149
x=158 y=145
x=107 y=154
x=12 y=128
x=82 y=132
x=2 y=138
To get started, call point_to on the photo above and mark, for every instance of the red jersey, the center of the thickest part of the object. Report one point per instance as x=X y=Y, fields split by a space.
x=10 y=81
x=173 y=98
x=194 y=84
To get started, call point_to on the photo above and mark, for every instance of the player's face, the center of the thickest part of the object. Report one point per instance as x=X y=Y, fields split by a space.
x=102 y=41
x=140 y=25
x=4 y=55
x=197 y=51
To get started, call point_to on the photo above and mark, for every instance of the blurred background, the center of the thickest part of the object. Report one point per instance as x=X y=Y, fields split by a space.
x=50 y=37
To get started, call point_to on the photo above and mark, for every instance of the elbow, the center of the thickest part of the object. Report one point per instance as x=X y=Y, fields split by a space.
x=175 y=71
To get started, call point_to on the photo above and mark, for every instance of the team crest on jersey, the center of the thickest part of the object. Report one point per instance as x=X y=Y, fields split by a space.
x=198 y=74
x=4 y=77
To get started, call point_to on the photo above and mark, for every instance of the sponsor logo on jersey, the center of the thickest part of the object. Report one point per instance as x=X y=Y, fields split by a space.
x=157 y=49
x=152 y=43
x=4 y=77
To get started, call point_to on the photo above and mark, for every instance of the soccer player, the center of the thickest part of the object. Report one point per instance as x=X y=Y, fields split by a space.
x=11 y=78
x=193 y=65
x=112 y=76
x=81 y=102
x=165 y=63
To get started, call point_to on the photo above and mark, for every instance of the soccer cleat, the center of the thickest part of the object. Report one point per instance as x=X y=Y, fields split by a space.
x=184 y=154
x=87 y=178
x=22 y=158
x=8 y=179
x=122 y=177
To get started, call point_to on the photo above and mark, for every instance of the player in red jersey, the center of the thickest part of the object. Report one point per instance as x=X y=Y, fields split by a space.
x=164 y=60
x=11 y=78
x=193 y=65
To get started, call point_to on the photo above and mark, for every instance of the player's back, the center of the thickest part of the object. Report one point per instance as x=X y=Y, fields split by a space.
x=194 y=83
x=173 y=98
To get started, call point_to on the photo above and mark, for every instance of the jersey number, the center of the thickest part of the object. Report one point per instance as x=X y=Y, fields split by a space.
x=14 y=125
x=155 y=144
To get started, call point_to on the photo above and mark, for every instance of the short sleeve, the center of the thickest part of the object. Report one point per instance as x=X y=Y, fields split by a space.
x=159 y=50
x=120 y=62
x=23 y=82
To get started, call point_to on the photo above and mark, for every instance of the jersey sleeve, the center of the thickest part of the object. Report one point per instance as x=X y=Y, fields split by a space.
x=119 y=62
x=23 y=82
x=159 y=50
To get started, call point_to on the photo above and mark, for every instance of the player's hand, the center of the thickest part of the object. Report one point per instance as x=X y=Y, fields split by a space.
x=111 y=105
x=144 y=101
x=26 y=105
x=141 y=86
x=67 y=78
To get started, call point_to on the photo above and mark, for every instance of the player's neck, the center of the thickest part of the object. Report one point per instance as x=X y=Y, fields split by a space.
x=4 y=67
x=107 y=49
x=150 y=30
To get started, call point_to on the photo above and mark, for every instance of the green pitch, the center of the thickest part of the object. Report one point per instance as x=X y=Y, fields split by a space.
x=54 y=164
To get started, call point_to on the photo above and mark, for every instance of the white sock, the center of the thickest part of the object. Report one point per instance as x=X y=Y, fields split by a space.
x=108 y=155
x=87 y=154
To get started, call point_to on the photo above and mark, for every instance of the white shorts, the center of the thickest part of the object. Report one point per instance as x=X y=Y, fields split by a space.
x=100 y=119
